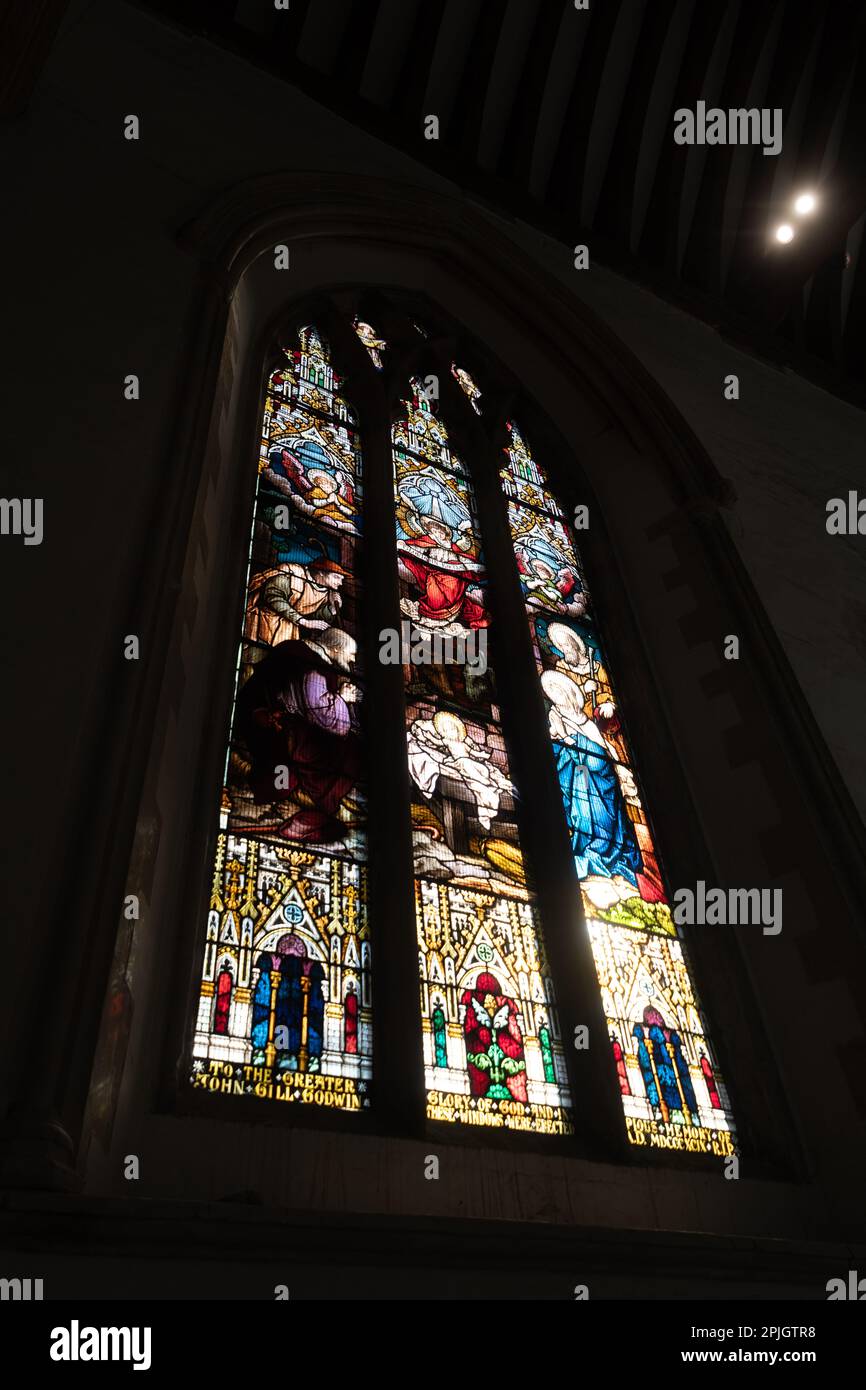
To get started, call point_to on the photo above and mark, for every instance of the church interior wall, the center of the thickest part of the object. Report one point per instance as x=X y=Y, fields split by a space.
x=111 y=283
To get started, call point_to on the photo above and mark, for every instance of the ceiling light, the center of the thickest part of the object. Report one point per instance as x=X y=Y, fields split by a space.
x=785 y=232
x=805 y=203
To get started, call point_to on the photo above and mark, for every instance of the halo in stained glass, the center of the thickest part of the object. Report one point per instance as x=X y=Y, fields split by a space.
x=285 y=1001
x=673 y=1096
x=493 y=1052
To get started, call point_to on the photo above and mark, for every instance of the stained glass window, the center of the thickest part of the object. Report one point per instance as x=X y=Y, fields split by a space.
x=672 y=1094
x=285 y=999
x=372 y=342
x=284 y=1010
x=468 y=386
x=492 y=1049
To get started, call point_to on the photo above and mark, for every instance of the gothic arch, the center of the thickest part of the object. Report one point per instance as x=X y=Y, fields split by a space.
x=346 y=231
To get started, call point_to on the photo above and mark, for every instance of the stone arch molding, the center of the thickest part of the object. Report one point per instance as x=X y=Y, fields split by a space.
x=343 y=229
x=392 y=233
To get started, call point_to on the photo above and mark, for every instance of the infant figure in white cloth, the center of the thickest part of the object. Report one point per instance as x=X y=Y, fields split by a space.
x=441 y=746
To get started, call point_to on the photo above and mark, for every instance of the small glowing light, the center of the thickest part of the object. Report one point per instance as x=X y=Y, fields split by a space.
x=785 y=232
x=805 y=203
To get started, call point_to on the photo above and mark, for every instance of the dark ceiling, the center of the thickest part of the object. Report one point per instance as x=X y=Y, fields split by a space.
x=564 y=118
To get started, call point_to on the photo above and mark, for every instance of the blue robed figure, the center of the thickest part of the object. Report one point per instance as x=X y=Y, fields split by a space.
x=603 y=841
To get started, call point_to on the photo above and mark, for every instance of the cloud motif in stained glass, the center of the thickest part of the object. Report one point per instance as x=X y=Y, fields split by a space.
x=672 y=1093
x=285 y=1009
x=493 y=1053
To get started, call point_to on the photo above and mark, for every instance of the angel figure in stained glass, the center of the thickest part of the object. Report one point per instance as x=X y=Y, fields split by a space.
x=494 y=1042
x=468 y=385
x=374 y=345
x=437 y=556
x=315 y=471
x=548 y=571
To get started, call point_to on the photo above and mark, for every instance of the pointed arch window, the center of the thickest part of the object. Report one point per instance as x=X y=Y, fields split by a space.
x=671 y=1092
x=285 y=1000
x=289 y=1010
x=492 y=1051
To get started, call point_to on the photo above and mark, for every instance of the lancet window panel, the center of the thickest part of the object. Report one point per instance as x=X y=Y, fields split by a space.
x=285 y=997
x=492 y=1049
x=673 y=1096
